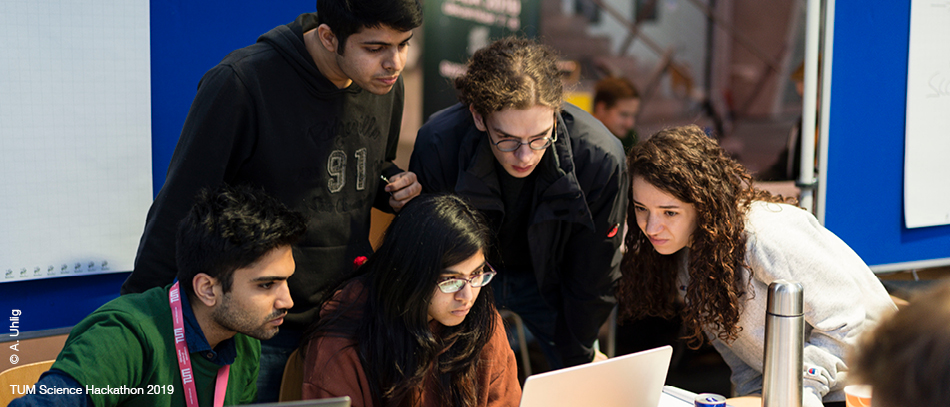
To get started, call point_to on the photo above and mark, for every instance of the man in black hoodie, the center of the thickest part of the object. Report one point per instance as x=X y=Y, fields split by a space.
x=311 y=113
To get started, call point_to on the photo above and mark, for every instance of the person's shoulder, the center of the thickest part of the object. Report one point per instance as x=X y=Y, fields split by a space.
x=446 y=127
x=248 y=57
x=145 y=304
x=134 y=321
x=142 y=315
x=351 y=297
x=271 y=48
x=761 y=212
x=594 y=149
x=770 y=225
x=588 y=133
x=446 y=119
x=331 y=348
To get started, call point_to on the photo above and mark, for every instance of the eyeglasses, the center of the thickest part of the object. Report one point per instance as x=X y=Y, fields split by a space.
x=537 y=144
x=454 y=284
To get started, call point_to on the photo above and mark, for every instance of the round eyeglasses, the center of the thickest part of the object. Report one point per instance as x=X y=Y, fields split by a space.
x=454 y=284
x=537 y=144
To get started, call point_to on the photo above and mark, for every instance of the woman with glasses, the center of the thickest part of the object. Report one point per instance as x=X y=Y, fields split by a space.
x=414 y=328
x=549 y=178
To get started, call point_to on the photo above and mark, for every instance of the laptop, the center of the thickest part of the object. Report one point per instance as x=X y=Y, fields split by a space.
x=330 y=402
x=634 y=380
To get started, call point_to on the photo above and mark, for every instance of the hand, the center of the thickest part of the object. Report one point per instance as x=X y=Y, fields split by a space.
x=599 y=356
x=402 y=188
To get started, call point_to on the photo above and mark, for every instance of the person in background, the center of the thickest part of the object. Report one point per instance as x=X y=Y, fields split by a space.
x=616 y=104
x=419 y=327
x=233 y=259
x=709 y=239
x=551 y=181
x=906 y=359
x=311 y=113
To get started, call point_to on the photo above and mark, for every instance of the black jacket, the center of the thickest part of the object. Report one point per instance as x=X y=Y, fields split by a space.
x=576 y=226
x=266 y=117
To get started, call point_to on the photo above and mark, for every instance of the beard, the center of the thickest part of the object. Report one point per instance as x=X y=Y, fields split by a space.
x=234 y=318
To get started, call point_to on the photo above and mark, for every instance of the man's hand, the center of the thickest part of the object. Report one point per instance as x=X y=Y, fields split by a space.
x=599 y=356
x=402 y=188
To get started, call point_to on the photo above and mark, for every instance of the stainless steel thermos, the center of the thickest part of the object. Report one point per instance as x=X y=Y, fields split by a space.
x=784 y=339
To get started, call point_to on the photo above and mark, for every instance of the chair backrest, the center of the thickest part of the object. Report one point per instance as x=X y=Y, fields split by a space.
x=291 y=384
x=20 y=375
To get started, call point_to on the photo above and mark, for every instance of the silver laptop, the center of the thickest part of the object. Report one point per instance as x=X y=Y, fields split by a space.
x=634 y=380
x=330 y=402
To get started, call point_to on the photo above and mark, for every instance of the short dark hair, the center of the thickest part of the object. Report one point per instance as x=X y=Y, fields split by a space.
x=612 y=89
x=347 y=17
x=511 y=73
x=906 y=359
x=232 y=227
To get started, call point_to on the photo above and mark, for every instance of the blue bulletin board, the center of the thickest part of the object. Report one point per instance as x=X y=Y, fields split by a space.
x=187 y=38
x=862 y=192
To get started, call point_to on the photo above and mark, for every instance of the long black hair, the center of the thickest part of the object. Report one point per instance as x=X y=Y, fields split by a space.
x=396 y=346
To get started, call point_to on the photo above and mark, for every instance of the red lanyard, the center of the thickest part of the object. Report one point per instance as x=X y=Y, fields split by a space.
x=184 y=360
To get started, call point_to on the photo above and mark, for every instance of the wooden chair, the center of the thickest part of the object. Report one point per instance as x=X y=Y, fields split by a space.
x=291 y=383
x=27 y=375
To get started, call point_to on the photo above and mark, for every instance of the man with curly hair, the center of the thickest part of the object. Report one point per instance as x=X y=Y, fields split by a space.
x=550 y=179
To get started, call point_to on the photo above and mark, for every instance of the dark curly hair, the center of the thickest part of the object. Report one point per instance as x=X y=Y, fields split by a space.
x=689 y=165
x=511 y=73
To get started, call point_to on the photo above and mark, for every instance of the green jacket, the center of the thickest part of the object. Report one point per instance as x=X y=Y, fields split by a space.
x=128 y=344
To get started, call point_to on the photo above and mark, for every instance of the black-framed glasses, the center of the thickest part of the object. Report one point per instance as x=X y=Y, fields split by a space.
x=537 y=144
x=454 y=284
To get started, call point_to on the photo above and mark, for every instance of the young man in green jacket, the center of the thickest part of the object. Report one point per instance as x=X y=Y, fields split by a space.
x=195 y=340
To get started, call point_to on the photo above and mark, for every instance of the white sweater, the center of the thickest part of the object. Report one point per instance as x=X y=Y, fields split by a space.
x=842 y=300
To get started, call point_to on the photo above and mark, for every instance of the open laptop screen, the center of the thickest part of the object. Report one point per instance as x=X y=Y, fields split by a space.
x=634 y=380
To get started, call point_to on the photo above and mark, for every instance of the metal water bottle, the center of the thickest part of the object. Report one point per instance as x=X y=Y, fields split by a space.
x=784 y=339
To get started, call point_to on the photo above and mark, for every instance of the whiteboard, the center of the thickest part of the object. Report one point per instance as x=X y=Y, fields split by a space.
x=75 y=136
x=927 y=136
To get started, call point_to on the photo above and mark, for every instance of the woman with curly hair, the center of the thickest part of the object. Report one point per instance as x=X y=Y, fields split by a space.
x=414 y=329
x=709 y=240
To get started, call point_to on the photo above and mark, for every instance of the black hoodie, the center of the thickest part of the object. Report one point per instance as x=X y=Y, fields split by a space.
x=266 y=117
